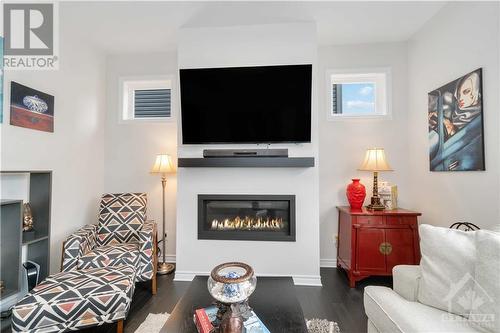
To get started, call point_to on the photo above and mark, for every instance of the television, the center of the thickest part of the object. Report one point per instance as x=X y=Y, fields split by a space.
x=264 y=104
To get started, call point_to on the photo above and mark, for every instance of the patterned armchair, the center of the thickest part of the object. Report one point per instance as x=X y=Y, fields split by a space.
x=122 y=236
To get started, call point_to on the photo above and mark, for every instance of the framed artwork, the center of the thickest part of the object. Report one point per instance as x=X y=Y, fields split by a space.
x=1 y=80
x=455 y=114
x=31 y=108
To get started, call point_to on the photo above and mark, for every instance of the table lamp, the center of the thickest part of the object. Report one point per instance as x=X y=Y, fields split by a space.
x=375 y=161
x=163 y=165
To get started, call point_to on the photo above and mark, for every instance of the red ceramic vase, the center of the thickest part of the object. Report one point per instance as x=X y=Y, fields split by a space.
x=356 y=194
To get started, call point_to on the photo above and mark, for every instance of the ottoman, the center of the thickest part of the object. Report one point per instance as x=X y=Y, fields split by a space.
x=77 y=299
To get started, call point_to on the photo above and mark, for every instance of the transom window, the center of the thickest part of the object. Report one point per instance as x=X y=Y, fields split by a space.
x=146 y=99
x=356 y=94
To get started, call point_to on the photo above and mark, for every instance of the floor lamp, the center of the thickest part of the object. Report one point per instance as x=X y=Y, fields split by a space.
x=163 y=165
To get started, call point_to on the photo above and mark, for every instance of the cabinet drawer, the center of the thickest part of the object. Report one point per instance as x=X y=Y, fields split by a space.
x=370 y=220
x=401 y=220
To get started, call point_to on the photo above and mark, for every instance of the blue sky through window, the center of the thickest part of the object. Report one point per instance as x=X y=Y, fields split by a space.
x=358 y=98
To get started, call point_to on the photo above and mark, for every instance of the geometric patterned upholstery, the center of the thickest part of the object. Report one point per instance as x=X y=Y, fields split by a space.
x=110 y=255
x=146 y=261
x=121 y=216
x=77 y=244
x=77 y=299
x=122 y=236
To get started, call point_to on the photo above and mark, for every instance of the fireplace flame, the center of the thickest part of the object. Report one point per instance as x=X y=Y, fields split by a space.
x=248 y=223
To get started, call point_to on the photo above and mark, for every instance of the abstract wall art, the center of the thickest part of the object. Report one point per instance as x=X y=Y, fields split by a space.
x=455 y=115
x=31 y=108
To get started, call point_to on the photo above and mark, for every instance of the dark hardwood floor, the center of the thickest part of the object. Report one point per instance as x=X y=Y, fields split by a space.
x=333 y=301
x=336 y=301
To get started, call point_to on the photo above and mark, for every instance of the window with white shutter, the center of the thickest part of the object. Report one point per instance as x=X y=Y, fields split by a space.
x=146 y=99
x=152 y=103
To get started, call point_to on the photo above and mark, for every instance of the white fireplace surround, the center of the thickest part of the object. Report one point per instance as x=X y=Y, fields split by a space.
x=253 y=45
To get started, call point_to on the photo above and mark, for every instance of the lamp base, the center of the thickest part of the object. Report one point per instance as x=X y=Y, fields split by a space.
x=165 y=268
x=376 y=204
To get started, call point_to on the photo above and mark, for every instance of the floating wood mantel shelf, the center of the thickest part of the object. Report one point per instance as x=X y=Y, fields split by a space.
x=247 y=162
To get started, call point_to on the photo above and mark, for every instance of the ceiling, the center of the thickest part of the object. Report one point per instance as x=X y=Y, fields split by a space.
x=146 y=27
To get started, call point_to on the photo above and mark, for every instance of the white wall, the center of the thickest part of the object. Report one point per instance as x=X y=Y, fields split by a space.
x=246 y=46
x=130 y=148
x=460 y=38
x=74 y=152
x=343 y=143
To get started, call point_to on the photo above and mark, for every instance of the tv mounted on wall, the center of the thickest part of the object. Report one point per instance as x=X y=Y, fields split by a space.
x=265 y=104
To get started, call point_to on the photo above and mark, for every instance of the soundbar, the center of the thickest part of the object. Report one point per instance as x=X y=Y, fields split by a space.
x=245 y=153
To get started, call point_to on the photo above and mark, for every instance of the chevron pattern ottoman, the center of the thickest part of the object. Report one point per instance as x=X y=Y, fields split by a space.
x=77 y=299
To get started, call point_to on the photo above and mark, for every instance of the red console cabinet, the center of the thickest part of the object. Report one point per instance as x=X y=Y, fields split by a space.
x=373 y=242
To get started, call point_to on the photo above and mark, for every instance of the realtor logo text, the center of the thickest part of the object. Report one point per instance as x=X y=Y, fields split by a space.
x=30 y=36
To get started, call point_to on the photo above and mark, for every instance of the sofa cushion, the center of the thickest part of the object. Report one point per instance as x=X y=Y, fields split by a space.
x=448 y=260
x=110 y=255
x=485 y=298
x=391 y=313
x=72 y=300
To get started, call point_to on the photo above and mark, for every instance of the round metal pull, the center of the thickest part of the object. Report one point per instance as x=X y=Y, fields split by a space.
x=385 y=248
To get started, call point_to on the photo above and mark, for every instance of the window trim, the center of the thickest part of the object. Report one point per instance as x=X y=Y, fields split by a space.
x=127 y=84
x=383 y=99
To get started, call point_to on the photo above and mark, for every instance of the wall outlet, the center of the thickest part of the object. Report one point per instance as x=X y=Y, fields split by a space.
x=335 y=239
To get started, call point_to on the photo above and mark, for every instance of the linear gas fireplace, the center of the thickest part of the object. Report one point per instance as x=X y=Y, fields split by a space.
x=246 y=217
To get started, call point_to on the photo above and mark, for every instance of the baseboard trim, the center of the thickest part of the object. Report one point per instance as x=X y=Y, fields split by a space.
x=307 y=280
x=322 y=262
x=187 y=275
x=170 y=258
x=298 y=280
x=328 y=263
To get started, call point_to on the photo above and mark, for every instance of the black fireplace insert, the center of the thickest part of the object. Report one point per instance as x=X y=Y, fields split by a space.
x=246 y=217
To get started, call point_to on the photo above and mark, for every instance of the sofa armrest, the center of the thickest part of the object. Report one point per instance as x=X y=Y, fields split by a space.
x=78 y=244
x=146 y=236
x=405 y=281
x=147 y=249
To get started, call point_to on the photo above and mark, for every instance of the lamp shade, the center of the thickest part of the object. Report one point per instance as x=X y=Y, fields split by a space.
x=375 y=160
x=163 y=164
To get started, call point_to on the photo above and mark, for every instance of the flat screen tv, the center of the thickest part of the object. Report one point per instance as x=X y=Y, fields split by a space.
x=265 y=104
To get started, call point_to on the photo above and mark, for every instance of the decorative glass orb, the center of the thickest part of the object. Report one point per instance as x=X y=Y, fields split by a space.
x=232 y=282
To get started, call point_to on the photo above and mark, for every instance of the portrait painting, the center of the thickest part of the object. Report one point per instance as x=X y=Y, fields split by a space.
x=31 y=108
x=455 y=115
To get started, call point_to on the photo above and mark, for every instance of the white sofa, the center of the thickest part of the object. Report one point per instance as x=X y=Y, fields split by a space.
x=463 y=265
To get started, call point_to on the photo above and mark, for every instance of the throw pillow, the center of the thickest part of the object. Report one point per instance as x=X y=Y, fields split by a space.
x=447 y=268
x=485 y=299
